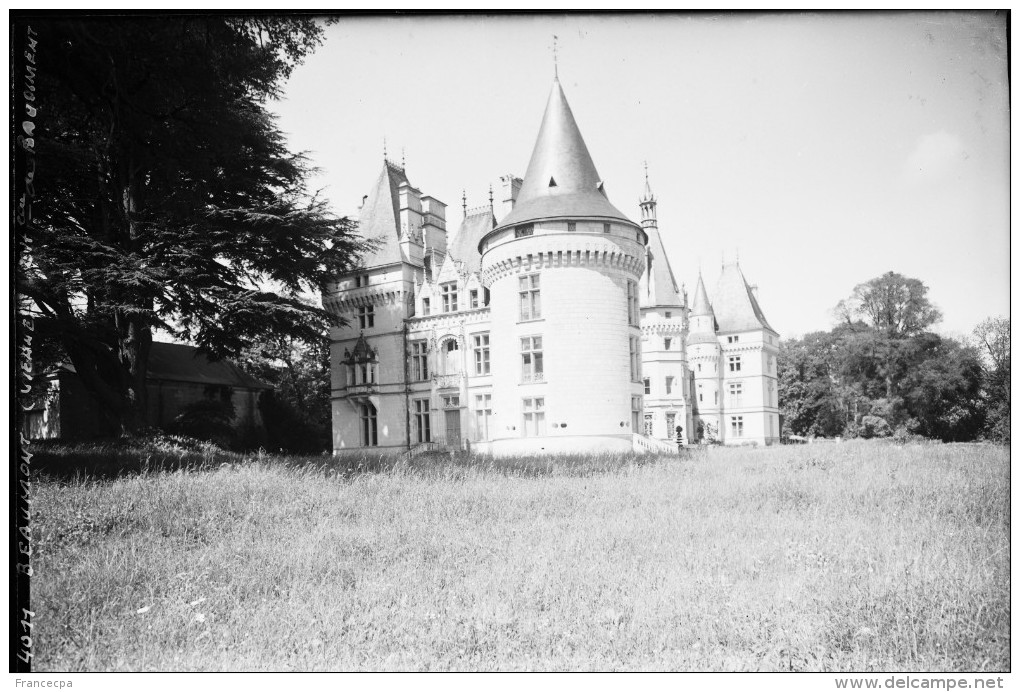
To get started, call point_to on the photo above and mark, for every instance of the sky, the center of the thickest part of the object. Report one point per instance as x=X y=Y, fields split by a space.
x=821 y=150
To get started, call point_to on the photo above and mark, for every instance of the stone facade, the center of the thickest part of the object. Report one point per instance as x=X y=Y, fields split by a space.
x=559 y=327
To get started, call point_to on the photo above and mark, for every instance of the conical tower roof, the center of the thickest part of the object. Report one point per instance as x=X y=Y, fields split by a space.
x=701 y=305
x=702 y=308
x=658 y=282
x=561 y=180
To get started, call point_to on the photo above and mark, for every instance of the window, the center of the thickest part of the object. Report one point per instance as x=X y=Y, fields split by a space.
x=635 y=412
x=531 y=304
x=534 y=417
x=669 y=315
x=701 y=394
x=451 y=357
x=365 y=373
x=422 y=421
x=771 y=399
x=485 y=296
x=648 y=385
x=426 y=309
x=671 y=426
x=736 y=393
x=531 y=359
x=571 y=226
x=474 y=298
x=666 y=343
x=419 y=361
x=649 y=419
x=449 y=297
x=633 y=312
x=669 y=385
x=351 y=377
x=734 y=363
x=483 y=415
x=606 y=227
x=737 y=426
x=451 y=401
x=699 y=367
x=361 y=280
x=733 y=339
x=369 y=426
x=635 y=359
x=366 y=316
x=481 y=354
x=526 y=230
x=715 y=397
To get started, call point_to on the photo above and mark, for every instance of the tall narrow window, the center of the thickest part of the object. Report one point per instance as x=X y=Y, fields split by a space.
x=734 y=363
x=635 y=359
x=737 y=426
x=532 y=368
x=474 y=298
x=635 y=413
x=669 y=385
x=649 y=424
x=671 y=426
x=426 y=308
x=666 y=343
x=529 y=290
x=648 y=385
x=369 y=426
x=422 y=420
x=419 y=361
x=451 y=357
x=534 y=417
x=366 y=316
x=633 y=311
x=481 y=354
x=449 y=296
x=483 y=416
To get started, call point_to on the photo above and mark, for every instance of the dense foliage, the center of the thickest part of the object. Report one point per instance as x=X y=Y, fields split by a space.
x=879 y=372
x=166 y=197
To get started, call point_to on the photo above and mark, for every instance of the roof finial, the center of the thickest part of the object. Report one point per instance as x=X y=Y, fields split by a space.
x=556 y=67
x=402 y=164
x=490 y=197
x=646 y=171
x=463 y=201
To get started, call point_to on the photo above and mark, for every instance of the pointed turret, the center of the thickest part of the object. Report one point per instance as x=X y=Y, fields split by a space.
x=703 y=325
x=561 y=181
x=658 y=283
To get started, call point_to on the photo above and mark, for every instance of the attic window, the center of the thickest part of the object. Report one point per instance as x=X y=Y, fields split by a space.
x=605 y=228
x=669 y=314
x=526 y=230
x=552 y=182
x=571 y=226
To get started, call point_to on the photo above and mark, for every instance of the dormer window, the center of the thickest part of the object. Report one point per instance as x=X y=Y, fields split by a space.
x=474 y=298
x=449 y=296
x=525 y=230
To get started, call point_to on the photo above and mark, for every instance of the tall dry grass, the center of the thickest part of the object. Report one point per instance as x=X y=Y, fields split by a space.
x=860 y=556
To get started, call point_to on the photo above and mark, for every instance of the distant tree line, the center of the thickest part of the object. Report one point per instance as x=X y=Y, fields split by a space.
x=880 y=371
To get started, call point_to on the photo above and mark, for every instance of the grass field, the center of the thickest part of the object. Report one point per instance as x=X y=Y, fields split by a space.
x=857 y=556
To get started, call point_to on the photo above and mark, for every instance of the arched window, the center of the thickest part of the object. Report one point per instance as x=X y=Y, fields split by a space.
x=451 y=357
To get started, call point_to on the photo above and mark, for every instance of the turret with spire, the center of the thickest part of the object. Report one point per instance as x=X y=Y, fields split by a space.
x=647 y=204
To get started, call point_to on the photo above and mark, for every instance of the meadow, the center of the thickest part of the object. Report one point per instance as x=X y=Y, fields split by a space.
x=842 y=557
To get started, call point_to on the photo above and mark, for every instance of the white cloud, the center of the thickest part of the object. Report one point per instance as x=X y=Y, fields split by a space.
x=933 y=156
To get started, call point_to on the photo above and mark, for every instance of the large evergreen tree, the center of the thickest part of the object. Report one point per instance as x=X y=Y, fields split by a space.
x=166 y=195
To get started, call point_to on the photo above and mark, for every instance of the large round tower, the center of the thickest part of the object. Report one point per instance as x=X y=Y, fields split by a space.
x=563 y=269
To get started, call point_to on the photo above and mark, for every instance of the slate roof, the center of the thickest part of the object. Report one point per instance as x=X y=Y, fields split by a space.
x=464 y=244
x=380 y=217
x=701 y=308
x=736 y=308
x=662 y=289
x=561 y=156
x=181 y=363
